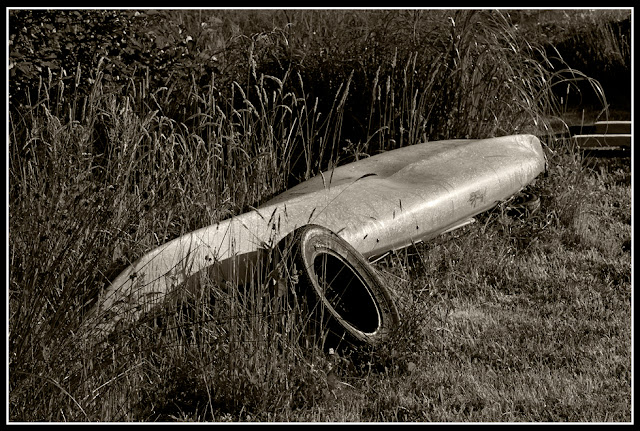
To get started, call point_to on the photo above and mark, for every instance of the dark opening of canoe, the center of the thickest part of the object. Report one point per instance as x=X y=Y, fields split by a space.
x=347 y=294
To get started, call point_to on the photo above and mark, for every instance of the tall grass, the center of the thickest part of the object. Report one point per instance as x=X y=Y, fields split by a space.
x=125 y=179
x=98 y=178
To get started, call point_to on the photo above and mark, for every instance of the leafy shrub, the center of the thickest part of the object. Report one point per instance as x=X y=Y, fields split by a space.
x=125 y=47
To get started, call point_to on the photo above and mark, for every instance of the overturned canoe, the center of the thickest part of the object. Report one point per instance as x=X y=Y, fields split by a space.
x=377 y=204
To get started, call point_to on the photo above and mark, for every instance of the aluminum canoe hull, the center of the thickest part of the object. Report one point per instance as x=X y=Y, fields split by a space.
x=377 y=204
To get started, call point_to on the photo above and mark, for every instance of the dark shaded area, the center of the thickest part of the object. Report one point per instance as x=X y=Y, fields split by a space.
x=603 y=54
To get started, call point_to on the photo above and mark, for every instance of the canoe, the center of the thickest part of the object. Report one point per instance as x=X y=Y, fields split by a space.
x=381 y=203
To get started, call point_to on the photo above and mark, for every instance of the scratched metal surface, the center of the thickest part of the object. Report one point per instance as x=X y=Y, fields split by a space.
x=377 y=204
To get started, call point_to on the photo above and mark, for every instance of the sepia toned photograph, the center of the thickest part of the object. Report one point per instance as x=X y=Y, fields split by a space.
x=308 y=215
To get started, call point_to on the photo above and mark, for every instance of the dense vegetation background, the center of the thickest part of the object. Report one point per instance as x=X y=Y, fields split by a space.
x=128 y=128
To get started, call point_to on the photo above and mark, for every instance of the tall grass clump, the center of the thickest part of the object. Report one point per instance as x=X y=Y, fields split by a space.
x=100 y=191
x=477 y=75
x=120 y=141
x=436 y=75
